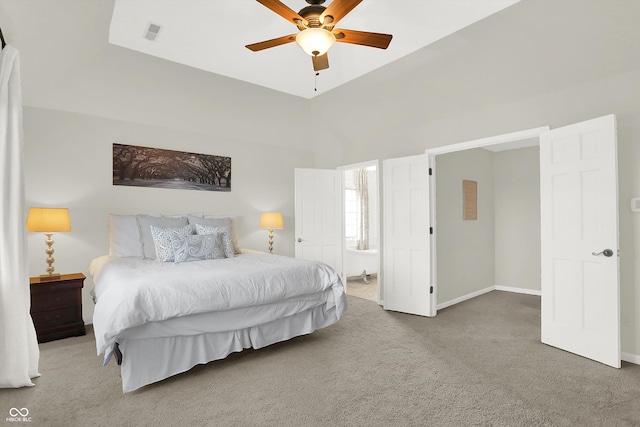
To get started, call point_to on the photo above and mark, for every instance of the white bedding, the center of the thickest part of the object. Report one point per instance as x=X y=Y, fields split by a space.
x=247 y=290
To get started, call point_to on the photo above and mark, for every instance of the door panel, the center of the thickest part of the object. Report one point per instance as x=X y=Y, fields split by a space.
x=406 y=255
x=579 y=219
x=318 y=212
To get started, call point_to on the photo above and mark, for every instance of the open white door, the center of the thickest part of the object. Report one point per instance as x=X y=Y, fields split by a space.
x=318 y=216
x=579 y=220
x=406 y=255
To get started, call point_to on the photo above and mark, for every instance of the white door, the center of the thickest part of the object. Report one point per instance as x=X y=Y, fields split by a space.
x=406 y=254
x=318 y=216
x=579 y=220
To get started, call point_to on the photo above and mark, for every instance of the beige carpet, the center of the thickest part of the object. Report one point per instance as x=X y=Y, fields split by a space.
x=477 y=363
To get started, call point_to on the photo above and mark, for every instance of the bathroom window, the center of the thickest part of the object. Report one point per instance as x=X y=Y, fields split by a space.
x=351 y=213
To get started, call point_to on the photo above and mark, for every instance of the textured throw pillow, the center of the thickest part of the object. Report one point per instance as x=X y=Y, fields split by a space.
x=144 y=224
x=162 y=240
x=223 y=235
x=219 y=221
x=196 y=247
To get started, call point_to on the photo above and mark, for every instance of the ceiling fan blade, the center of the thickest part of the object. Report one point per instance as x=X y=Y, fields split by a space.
x=284 y=11
x=320 y=62
x=337 y=10
x=271 y=43
x=364 y=38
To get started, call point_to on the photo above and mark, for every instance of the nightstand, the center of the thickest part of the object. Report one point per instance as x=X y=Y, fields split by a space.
x=56 y=306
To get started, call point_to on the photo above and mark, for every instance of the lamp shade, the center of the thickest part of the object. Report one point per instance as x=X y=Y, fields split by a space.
x=48 y=220
x=271 y=220
x=315 y=41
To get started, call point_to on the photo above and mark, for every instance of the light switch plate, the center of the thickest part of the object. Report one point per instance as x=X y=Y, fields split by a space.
x=635 y=204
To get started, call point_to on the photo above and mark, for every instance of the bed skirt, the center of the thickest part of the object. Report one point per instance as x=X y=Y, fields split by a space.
x=149 y=360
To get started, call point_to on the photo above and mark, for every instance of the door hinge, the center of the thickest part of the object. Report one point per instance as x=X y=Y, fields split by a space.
x=430 y=171
x=431 y=290
x=430 y=230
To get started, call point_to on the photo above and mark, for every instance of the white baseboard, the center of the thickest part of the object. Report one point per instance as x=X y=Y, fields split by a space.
x=631 y=358
x=484 y=291
x=465 y=297
x=518 y=290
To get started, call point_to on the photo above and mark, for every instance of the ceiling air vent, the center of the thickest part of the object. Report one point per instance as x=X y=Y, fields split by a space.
x=152 y=32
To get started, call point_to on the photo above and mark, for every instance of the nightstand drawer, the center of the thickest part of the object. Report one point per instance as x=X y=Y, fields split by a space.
x=53 y=300
x=56 y=306
x=52 y=318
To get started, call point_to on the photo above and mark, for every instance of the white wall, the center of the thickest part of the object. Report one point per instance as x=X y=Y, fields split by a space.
x=516 y=175
x=465 y=248
x=68 y=163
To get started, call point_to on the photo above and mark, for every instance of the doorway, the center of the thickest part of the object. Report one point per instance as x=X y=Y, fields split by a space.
x=497 y=248
x=579 y=217
x=361 y=229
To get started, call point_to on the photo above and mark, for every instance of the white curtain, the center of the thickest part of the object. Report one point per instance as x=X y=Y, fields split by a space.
x=362 y=192
x=19 y=353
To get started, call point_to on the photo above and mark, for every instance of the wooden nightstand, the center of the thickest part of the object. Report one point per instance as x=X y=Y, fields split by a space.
x=56 y=307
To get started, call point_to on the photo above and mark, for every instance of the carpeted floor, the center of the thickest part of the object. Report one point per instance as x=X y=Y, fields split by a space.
x=477 y=363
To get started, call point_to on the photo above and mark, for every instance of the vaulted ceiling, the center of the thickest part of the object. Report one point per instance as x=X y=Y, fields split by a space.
x=211 y=35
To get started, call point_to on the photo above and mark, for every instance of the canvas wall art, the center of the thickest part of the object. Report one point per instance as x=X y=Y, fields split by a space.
x=159 y=168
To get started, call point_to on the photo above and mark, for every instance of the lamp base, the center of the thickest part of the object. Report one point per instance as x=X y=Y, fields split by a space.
x=55 y=276
x=271 y=240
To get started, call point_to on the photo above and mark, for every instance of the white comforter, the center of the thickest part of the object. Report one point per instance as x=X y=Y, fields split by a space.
x=131 y=291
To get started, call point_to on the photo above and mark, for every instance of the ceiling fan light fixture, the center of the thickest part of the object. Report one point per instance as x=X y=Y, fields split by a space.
x=315 y=41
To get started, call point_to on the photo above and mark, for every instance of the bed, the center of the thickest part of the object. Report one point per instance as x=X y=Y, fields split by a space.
x=161 y=318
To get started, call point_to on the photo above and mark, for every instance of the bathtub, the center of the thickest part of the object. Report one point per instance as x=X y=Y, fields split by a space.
x=361 y=262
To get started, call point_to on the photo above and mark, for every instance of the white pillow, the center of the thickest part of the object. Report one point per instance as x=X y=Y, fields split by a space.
x=124 y=236
x=219 y=221
x=223 y=235
x=162 y=240
x=146 y=238
x=196 y=247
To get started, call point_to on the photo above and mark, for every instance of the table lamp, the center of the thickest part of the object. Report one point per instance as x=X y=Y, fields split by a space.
x=49 y=220
x=271 y=221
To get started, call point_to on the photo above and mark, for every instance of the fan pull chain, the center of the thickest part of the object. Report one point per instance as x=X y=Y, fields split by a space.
x=315 y=83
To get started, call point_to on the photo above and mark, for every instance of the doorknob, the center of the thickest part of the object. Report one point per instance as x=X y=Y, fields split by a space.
x=606 y=252
x=299 y=240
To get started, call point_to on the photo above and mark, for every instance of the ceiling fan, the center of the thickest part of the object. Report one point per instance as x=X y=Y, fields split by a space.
x=317 y=33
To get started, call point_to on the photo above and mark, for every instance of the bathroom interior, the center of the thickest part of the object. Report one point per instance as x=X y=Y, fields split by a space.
x=361 y=230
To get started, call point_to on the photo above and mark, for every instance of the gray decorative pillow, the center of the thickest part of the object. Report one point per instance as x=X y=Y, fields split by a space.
x=223 y=235
x=144 y=224
x=163 y=243
x=196 y=247
x=124 y=236
x=219 y=221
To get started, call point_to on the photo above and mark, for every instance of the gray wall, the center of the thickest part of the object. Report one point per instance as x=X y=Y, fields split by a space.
x=501 y=247
x=465 y=248
x=516 y=175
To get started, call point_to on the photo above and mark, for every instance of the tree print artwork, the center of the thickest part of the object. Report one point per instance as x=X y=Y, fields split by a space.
x=154 y=167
